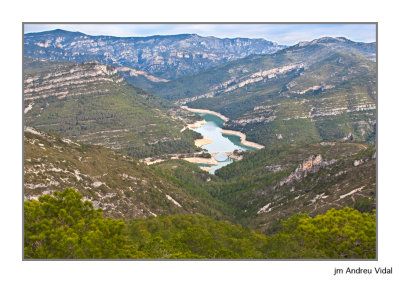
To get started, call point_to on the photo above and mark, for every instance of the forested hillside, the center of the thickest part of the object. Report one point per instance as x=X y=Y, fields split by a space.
x=63 y=226
x=277 y=182
x=313 y=91
x=267 y=185
x=92 y=103
x=119 y=184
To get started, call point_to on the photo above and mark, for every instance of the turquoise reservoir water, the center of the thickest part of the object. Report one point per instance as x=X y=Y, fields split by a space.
x=220 y=142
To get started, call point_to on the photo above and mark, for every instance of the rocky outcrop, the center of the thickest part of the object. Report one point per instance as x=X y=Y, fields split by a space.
x=313 y=88
x=136 y=73
x=261 y=119
x=348 y=137
x=233 y=84
x=274 y=168
x=68 y=81
x=358 y=162
x=333 y=111
x=311 y=165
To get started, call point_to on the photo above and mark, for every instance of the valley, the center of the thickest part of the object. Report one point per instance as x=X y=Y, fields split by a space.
x=289 y=96
x=189 y=146
x=221 y=146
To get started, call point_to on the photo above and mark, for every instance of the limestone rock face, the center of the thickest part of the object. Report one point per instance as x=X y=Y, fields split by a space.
x=358 y=162
x=67 y=81
x=311 y=165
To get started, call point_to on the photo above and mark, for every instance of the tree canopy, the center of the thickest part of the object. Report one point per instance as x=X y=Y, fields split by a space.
x=344 y=233
x=66 y=227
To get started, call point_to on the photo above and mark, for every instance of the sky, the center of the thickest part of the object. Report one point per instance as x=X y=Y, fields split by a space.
x=287 y=34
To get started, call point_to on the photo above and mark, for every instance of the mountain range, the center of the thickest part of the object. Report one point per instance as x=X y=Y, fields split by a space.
x=313 y=91
x=168 y=57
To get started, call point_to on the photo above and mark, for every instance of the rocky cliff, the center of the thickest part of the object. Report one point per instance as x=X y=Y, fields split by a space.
x=310 y=165
x=319 y=184
x=67 y=81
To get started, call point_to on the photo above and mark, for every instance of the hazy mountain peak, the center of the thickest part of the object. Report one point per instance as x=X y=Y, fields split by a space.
x=324 y=40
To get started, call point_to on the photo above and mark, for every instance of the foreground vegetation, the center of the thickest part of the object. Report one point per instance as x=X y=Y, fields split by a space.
x=64 y=226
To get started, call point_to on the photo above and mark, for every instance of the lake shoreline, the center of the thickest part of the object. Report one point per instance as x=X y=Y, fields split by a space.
x=208 y=139
x=205 y=111
x=196 y=124
x=203 y=141
x=223 y=131
x=200 y=160
x=242 y=138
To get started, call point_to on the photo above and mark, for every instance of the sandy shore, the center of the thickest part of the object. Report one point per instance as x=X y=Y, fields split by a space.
x=206 y=112
x=196 y=124
x=231 y=155
x=242 y=138
x=203 y=141
x=209 y=161
x=228 y=132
